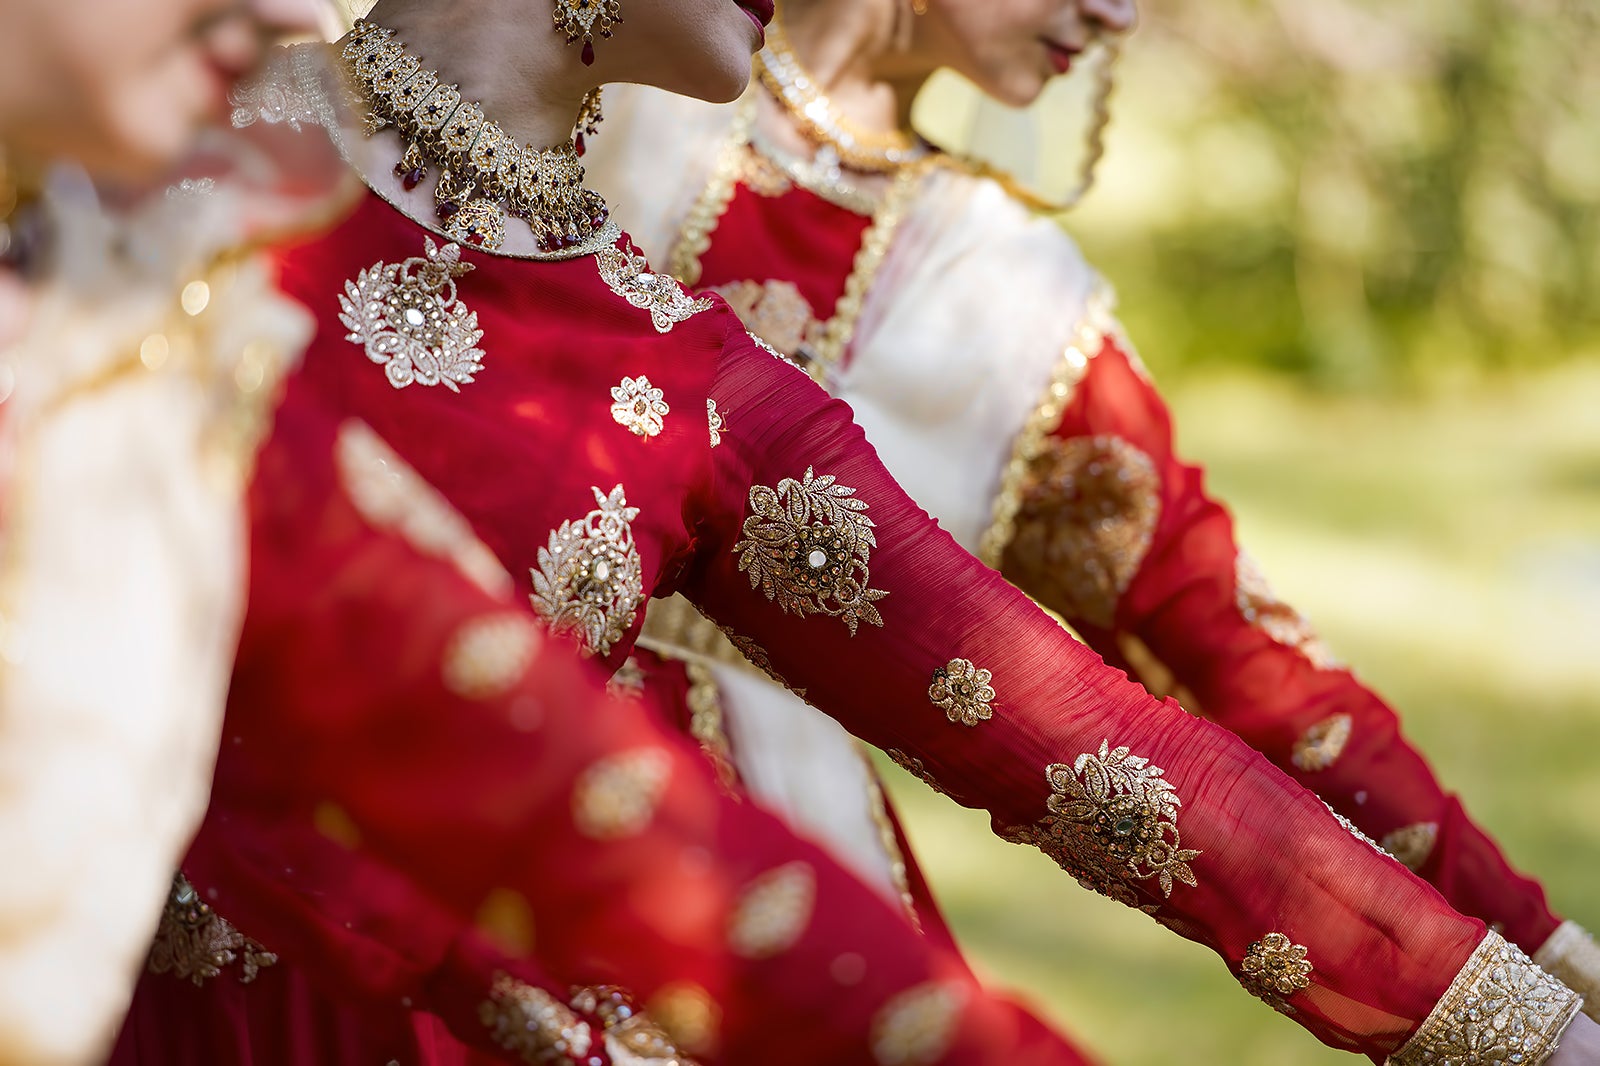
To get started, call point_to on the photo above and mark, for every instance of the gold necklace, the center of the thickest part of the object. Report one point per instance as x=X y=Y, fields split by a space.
x=844 y=141
x=484 y=174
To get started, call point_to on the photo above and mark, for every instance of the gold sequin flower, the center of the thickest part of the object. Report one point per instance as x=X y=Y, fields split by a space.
x=407 y=318
x=589 y=580
x=963 y=692
x=807 y=547
x=639 y=407
x=1275 y=969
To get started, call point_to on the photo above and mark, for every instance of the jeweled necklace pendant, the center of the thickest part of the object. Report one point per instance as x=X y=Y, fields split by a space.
x=484 y=175
x=578 y=18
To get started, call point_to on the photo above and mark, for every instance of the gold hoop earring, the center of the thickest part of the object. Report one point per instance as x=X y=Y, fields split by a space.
x=581 y=19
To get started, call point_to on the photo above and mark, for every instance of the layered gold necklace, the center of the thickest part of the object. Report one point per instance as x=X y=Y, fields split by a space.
x=484 y=175
x=838 y=139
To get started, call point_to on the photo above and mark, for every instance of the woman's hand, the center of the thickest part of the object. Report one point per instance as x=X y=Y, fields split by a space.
x=1580 y=1045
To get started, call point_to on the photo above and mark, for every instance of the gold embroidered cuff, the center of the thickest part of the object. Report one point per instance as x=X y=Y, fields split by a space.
x=1572 y=956
x=1500 y=1008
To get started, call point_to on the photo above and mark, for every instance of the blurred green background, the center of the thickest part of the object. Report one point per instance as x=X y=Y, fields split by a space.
x=1359 y=244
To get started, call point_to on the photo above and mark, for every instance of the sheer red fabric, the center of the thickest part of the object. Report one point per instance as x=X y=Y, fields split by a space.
x=776 y=517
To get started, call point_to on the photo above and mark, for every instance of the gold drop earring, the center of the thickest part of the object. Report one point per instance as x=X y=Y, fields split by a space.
x=581 y=19
x=589 y=118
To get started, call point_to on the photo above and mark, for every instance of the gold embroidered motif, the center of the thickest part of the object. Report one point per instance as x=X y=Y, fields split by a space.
x=532 y=1024
x=773 y=912
x=776 y=312
x=689 y=1017
x=916 y=769
x=487 y=656
x=706 y=720
x=409 y=320
x=1039 y=429
x=1262 y=609
x=1113 y=817
x=194 y=942
x=1086 y=515
x=1275 y=969
x=1501 y=1008
x=392 y=496
x=807 y=546
x=1412 y=844
x=590 y=579
x=1572 y=957
x=617 y=796
x=639 y=407
x=963 y=692
x=917 y=1026
x=628 y=682
x=632 y=1037
x=1322 y=744
x=715 y=421
x=631 y=278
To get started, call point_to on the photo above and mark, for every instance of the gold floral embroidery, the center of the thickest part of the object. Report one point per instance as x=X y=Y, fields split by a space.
x=1087 y=513
x=532 y=1024
x=963 y=692
x=590 y=579
x=807 y=546
x=639 y=407
x=917 y=1026
x=775 y=311
x=916 y=769
x=1038 y=431
x=1262 y=609
x=487 y=656
x=1275 y=969
x=1572 y=957
x=617 y=796
x=409 y=320
x=628 y=682
x=715 y=421
x=630 y=277
x=392 y=496
x=1113 y=818
x=1322 y=744
x=631 y=1035
x=1500 y=1008
x=194 y=942
x=773 y=912
x=1412 y=844
x=688 y=1015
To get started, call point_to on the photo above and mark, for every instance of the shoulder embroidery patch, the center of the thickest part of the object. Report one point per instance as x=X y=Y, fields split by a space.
x=408 y=318
x=631 y=278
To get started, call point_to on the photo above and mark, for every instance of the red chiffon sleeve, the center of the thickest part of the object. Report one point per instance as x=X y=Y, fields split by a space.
x=829 y=576
x=1118 y=535
x=389 y=698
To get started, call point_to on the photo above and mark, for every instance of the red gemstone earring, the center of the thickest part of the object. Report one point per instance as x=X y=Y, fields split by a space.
x=582 y=19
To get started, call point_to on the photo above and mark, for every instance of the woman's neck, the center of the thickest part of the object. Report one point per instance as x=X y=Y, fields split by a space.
x=856 y=53
x=518 y=70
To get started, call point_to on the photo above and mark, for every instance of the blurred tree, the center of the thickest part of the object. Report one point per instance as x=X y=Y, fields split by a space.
x=1353 y=191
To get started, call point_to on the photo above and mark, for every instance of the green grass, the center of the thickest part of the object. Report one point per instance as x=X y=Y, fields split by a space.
x=1450 y=550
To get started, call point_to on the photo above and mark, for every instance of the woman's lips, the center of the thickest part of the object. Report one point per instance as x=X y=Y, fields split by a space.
x=1061 y=56
x=763 y=11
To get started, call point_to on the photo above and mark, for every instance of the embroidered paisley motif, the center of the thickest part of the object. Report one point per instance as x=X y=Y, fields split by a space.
x=1274 y=969
x=773 y=912
x=917 y=1026
x=589 y=579
x=963 y=692
x=639 y=407
x=617 y=796
x=487 y=656
x=195 y=943
x=1321 y=745
x=631 y=278
x=1262 y=609
x=807 y=547
x=1113 y=822
x=408 y=319
x=1087 y=512
x=532 y=1024
x=1413 y=844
